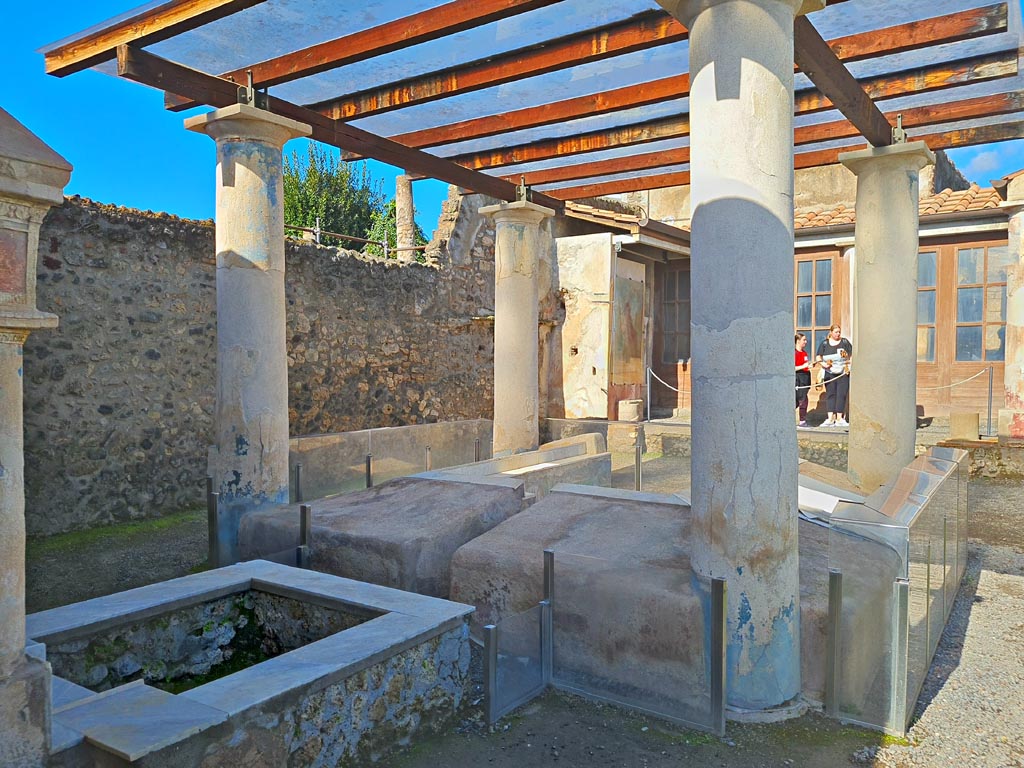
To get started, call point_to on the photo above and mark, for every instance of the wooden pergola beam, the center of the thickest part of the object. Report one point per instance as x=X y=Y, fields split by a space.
x=203 y=88
x=639 y=33
x=917 y=117
x=447 y=19
x=150 y=26
x=954 y=139
x=823 y=68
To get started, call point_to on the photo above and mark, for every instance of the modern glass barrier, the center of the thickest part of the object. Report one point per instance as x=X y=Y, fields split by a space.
x=334 y=463
x=639 y=636
x=514 y=661
x=662 y=463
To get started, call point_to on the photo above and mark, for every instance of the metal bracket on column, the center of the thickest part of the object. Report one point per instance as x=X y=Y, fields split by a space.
x=899 y=136
x=522 y=191
x=247 y=94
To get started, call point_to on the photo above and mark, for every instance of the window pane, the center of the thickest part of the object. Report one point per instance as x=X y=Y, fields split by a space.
x=684 y=285
x=926 y=307
x=819 y=336
x=969 y=303
x=926 y=269
x=803 y=276
x=683 y=346
x=995 y=342
x=995 y=304
x=670 y=318
x=970 y=263
x=803 y=311
x=683 y=317
x=823 y=276
x=926 y=345
x=998 y=260
x=668 y=348
x=670 y=286
x=968 y=342
x=822 y=310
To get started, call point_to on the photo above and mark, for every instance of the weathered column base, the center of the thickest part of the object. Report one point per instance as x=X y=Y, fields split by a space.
x=25 y=714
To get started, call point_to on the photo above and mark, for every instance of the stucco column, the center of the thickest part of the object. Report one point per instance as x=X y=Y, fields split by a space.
x=1011 y=414
x=249 y=462
x=744 y=461
x=516 y=388
x=405 y=217
x=32 y=179
x=883 y=384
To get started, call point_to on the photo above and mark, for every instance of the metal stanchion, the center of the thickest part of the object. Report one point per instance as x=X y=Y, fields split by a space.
x=369 y=470
x=305 y=530
x=832 y=649
x=719 y=598
x=928 y=606
x=638 y=465
x=491 y=673
x=476 y=449
x=428 y=463
x=547 y=627
x=213 y=525
x=298 y=483
x=900 y=656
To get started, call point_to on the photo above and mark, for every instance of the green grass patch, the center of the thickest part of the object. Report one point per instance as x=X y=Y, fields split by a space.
x=64 y=543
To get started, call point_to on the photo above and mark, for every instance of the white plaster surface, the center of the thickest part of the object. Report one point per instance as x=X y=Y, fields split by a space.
x=883 y=404
x=405 y=213
x=1011 y=414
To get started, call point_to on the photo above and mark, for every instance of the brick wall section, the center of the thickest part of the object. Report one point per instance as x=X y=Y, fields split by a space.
x=119 y=399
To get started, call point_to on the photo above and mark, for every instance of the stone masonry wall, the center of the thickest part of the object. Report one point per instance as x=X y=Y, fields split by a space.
x=119 y=399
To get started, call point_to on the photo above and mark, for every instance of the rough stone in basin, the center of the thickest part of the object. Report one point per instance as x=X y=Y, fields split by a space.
x=401 y=534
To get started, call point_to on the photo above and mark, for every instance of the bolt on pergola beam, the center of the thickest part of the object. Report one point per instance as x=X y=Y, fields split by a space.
x=150 y=25
x=953 y=139
x=148 y=69
x=430 y=24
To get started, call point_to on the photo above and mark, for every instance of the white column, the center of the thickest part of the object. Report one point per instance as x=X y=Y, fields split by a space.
x=883 y=385
x=744 y=463
x=516 y=388
x=405 y=217
x=1011 y=414
x=249 y=462
x=32 y=179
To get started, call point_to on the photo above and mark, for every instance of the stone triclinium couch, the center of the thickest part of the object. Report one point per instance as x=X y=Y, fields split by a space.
x=501 y=574
x=403 y=533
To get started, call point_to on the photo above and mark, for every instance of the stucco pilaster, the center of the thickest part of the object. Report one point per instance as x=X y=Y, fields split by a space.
x=249 y=462
x=744 y=459
x=1011 y=414
x=516 y=386
x=883 y=385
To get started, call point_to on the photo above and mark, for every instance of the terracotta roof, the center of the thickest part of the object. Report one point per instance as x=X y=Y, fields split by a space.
x=947 y=201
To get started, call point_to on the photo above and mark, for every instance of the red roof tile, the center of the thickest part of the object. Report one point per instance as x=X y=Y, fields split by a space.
x=947 y=201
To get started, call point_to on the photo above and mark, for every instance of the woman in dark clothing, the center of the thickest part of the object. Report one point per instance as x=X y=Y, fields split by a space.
x=834 y=355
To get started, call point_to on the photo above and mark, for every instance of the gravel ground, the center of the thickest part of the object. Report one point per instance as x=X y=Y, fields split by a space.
x=971 y=710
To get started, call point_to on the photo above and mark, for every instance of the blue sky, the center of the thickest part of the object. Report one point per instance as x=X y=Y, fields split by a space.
x=127 y=150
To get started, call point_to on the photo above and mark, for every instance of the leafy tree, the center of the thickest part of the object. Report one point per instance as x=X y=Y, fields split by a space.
x=385 y=229
x=343 y=196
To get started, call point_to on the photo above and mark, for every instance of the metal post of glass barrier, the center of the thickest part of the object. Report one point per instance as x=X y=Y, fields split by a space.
x=900 y=657
x=547 y=617
x=476 y=449
x=369 y=470
x=832 y=641
x=305 y=529
x=991 y=368
x=719 y=597
x=648 y=394
x=427 y=461
x=211 y=524
x=945 y=581
x=491 y=673
x=928 y=606
x=638 y=465
x=298 y=484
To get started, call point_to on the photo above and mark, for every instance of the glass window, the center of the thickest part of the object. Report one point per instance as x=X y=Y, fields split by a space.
x=970 y=265
x=970 y=304
x=675 y=315
x=926 y=345
x=926 y=274
x=822 y=310
x=995 y=304
x=926 y=307
x=995 y=342
x=803 y=311
x=823 y=276
x=968 y=343
x=803 y=276
x=998 y=261
x=670 y=288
